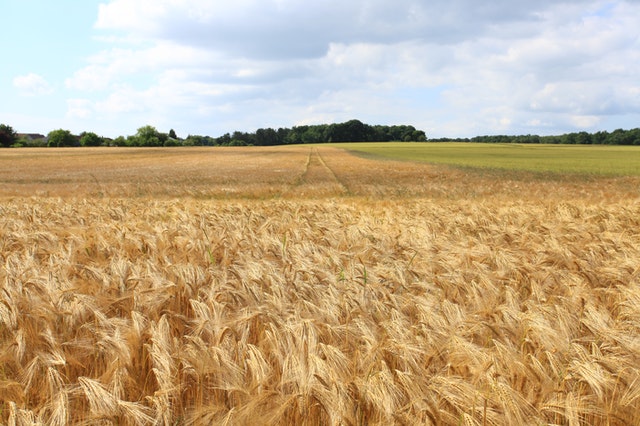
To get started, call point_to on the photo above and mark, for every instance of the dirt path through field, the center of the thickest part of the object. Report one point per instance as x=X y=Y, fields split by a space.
x=317 y=179
x=299 y=171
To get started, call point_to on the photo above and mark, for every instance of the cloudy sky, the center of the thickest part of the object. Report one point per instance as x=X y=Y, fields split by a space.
x=450 y=67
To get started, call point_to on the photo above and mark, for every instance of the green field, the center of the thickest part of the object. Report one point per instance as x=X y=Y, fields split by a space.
x=604 y=160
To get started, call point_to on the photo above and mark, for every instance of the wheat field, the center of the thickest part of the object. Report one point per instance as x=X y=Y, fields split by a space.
x=313 y=287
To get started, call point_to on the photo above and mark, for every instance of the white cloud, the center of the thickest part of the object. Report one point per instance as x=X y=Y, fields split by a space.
x=79 y=108
x=109 y=67
x=584 y=121
x=91 y=78
x=286 y=29
x=455 y=67
x=32 y=85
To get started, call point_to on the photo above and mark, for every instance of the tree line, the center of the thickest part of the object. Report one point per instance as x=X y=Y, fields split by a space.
x=616 y=137
x=350 y=131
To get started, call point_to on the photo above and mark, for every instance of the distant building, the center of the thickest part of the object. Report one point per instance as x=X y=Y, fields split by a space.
x=31 y=136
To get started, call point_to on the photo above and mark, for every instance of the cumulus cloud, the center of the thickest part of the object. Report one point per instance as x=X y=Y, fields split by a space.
x=32 y=84
x=294 y=29
x=79 y=108
x=455 y=67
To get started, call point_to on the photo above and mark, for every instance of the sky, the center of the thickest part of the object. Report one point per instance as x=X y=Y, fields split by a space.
x=453 y=68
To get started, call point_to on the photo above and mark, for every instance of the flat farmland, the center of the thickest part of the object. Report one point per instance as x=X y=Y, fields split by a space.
x=402 y=170
x=309 y=285
x=598 y=160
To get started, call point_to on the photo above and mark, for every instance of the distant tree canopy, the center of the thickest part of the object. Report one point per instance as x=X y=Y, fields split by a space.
x=90 y=139
x=193 y=140
x=8 y=136
x=148 y=136
x=62 y=138
x=617 y=137
x=349 y=131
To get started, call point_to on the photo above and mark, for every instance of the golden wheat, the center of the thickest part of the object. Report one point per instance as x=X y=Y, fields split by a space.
x=437 y=309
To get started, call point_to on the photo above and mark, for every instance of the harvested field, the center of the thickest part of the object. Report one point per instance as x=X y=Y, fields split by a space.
x=277 y=172
x=304 y=285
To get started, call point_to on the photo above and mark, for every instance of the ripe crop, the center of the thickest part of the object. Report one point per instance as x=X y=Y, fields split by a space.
x=344 y=291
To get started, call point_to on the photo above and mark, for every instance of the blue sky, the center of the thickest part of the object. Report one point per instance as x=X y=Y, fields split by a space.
x=451 y=67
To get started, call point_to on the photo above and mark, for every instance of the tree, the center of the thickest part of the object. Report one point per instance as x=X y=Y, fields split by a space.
x=247 y=139
x=314 y=134
x=8 y=136
x=583 y=138
x=619 y=137
x=294 y=135
x=148 y=136
x=90 y=139
x=172 y=142
x=350 y=131
x=266 y=137
x=224 y=140
x=60 y=138
x=197 y=140
x=634 y=136
x=172 y=134
x=119 y=141
x=600 y=137
x=418 y=136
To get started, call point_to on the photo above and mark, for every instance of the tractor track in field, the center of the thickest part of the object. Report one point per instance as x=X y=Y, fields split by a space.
x=317 y=179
